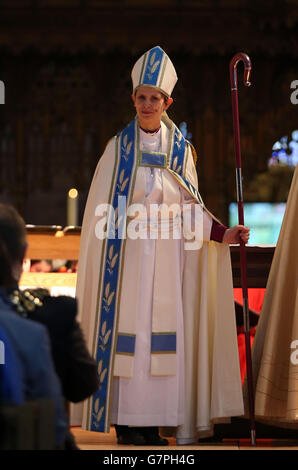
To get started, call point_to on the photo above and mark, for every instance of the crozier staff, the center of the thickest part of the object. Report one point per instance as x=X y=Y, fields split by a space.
x=159 y=318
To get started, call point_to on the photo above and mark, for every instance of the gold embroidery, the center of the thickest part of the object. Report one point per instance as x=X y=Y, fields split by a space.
x=27 y=300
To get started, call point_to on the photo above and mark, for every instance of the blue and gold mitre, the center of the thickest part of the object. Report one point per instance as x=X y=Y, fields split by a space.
x=154 y=69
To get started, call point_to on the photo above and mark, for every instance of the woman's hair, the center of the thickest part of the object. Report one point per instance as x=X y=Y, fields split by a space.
x=12 y=242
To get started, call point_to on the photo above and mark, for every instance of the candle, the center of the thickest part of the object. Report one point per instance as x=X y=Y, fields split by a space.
x=72 y=207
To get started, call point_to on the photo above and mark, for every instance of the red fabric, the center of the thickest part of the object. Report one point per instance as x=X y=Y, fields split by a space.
x=255 y=302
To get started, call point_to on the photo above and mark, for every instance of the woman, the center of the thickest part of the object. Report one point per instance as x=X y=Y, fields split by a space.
x=146 y=281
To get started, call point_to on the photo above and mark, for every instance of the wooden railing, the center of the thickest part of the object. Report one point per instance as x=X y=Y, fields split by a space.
x=55 y=243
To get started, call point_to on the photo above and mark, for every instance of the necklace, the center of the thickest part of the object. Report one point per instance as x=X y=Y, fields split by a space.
x=150 y=132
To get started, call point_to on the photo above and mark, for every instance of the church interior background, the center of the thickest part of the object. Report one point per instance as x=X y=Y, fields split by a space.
x=66 y=68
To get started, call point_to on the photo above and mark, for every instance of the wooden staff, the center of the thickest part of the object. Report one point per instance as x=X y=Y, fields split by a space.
x=240 y=56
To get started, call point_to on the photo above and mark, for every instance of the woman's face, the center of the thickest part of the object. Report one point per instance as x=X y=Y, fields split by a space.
x=150 y=105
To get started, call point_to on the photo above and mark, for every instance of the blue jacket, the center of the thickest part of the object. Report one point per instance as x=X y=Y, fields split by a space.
x=31 y=343
x=11 y=387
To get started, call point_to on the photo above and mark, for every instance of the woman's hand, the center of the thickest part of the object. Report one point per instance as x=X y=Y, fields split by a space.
x=235 y=234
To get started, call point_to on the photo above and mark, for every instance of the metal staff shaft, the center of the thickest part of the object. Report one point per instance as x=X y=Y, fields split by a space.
x=233 y=79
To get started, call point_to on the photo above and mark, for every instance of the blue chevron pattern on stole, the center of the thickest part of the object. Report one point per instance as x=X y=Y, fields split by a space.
x=190 y=188
x=110 y=283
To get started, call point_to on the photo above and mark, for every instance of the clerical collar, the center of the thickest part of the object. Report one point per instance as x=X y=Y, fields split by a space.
x=150 y=132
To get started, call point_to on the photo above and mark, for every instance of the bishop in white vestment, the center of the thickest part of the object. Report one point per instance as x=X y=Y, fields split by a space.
x=155 y=296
